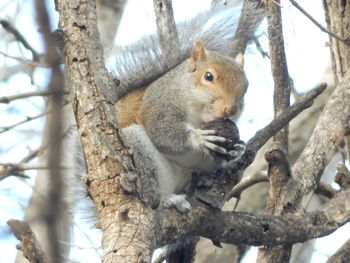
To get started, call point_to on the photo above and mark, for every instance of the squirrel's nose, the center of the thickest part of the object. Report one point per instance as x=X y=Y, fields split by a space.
x=230 y=111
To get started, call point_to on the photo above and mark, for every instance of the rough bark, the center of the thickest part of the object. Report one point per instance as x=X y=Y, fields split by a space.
x=109 y=15
x=278 y=170
x=30 y=246
x=124 y=220
x=338 y=22
x=166 y=27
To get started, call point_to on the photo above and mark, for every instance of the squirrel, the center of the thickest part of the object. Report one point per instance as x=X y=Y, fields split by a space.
x=168 y=114
x=163 y=102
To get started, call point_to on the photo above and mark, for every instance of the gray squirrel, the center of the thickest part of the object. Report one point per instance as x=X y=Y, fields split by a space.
x=163 y=102
x=162 y=121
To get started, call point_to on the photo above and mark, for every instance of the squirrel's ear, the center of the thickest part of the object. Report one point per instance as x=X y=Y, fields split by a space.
x=198 y=55
x=240 y=59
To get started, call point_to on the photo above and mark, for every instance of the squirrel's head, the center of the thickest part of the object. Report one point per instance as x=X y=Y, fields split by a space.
x=221 y=81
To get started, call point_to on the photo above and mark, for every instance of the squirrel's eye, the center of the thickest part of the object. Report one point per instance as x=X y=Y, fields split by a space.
x=208 y=76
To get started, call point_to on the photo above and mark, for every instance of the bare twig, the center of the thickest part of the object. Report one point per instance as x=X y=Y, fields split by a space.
x=263 y=135
x=245 y=183
x=263 y=53
x=30 y=246
x=313 y=20
x=25 y=61
x=11 y=29
x=41 y=93
x=8 y=169
x=28 y=119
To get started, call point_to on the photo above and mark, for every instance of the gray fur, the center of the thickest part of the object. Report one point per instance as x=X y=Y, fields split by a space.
x=141 y=63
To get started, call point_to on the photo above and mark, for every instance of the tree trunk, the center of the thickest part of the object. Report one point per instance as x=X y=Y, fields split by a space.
x=338 y=22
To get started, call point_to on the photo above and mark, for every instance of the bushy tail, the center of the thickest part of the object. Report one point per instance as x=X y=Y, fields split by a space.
x=182 y=251
x=141 y=63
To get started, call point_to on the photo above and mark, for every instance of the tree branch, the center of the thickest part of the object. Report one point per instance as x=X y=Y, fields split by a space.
x=166 y=27
x=314 y=21
x=106 y=158
x=9 y=28
x=323 y=142
x=249 y=229
x=278 y=166
x=30 y=247
x=38 y=93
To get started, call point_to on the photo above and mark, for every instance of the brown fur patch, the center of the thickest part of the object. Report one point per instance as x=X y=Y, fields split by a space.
x=128 y=107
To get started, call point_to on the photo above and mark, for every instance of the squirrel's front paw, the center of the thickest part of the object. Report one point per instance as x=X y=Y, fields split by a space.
x=177 y=201
x=238 y=151
x=207 y=139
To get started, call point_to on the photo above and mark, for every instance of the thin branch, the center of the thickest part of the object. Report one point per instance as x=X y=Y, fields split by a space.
x=263 y=135
x=245 y=183
x=30 y=247
x=27 y=119
x=8 y=169
x=11 y=29
x=263 y=53
x=41 y=93
x=313 y=20
x=26 y=61
x=214 y=196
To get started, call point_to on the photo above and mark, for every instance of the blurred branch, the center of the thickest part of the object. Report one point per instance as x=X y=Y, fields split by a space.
x=17 y=169
x=247 y=25
x=11 y=29
x=342 y=255
x=26 y=61
x=53 y=212
x=30 y=246
x=7 y=71
x=326 y=190
x=28 y=119
x=166 y=27
x=8 y=99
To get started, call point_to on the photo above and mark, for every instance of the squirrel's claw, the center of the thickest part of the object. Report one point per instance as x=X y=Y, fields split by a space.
x=177 y=201
x=238 y=151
